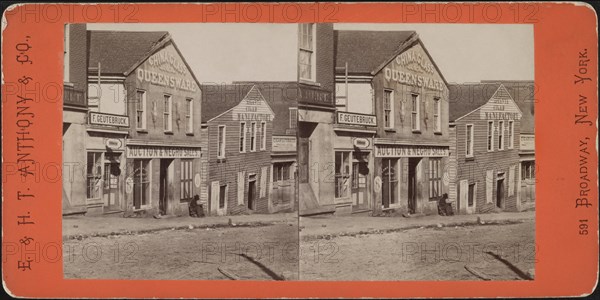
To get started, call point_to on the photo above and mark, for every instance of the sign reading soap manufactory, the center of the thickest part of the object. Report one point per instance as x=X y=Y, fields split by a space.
x=108 y=119
x=356 y=119
x=284 y=143
x=410 y=151
x=162 y=152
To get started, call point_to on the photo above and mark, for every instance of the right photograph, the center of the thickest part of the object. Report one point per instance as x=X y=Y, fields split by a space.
x=416 y=152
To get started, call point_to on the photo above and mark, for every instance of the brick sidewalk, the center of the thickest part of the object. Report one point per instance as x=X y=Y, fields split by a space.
x=318 y=226
x=74 y=226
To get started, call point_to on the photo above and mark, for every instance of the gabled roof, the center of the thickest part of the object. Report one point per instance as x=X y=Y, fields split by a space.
x=217 y=99
x=365 y=51
x=118 y=51
x=467 y=97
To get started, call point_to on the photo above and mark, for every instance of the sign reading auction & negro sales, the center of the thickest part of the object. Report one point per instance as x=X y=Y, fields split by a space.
x=162 y=152
x=410 y=151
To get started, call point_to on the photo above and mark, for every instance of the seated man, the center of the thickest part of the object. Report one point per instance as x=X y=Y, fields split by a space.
x=445 y=208
x=193 y=208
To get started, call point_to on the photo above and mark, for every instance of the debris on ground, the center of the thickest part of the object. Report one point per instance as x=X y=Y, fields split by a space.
x=229 y=274
x=477 y=273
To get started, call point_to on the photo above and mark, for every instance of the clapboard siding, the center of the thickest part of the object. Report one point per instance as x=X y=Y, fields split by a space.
x=474 y=169
x=226 y=171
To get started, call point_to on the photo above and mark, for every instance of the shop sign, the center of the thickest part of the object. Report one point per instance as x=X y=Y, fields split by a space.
x=108 y=119
x=162 y=152
x=166 y=68
x=252 y=110
x=282 y=143
x=527 y=142
x=414 y=68
x=500 y=107
x=314 y=96
x=356 y=119
x=113 y=143
x=361 y=143
x=411 y=151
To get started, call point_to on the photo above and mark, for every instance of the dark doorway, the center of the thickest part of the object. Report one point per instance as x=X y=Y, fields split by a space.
x=412 y=184
x=305 y=130
x=252 y=194
x=164 y=186
x=500 y=193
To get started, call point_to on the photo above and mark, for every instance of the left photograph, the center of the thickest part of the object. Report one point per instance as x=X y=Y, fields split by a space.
x=179 y=151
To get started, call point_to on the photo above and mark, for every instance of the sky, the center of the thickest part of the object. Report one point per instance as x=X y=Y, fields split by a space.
x=266 y=52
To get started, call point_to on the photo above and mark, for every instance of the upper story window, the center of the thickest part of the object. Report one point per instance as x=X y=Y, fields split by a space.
x=242 y=137
x=469 y=141
x=221 y=142
x=490 y=136
x=189 y=116
x=388 y=108
x=437 y=120
x=511 y=134
x=293 y=117
x=416 y=112
x=501 y=135
x=263 y=136
x=306 y=67
x=252 y=136
x=168 y=114
x=140 y=110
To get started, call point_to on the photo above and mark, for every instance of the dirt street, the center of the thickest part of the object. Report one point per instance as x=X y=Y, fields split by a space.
x=474 y=252
x=256 y=253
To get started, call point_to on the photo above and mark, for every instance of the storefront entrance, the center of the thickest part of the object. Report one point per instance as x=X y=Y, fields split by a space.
x=110 y=190
x=412 y=184
x=164 y=180
x=389 y=176
x=500 y=192
x=360 y=178
x=252 y=192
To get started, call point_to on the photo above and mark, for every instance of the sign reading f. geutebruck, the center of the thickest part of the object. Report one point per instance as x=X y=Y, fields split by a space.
x=356 y=119
x=108 y=119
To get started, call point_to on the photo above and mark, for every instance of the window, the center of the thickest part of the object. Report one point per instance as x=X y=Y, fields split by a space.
x=501 y=135
x=305 y=59
x=437 y=121
x=252 y=136
x=281 y=172
x=528 y=170
x=435 y=178
x=187 y=169
x=511 y=134
x=471 y=195
x=141 y=183
x=168 y=114
x=222 y=195
x=140 y=108
x=469 y=141
x=221 y=142
x=263 y=136
x=342 y=173
x=416 y=113
x=293 y=117
x=189 y=119
x=242 y=137
x=390 y=176
x=388 y=113
x=94 y=174
x=490 y=136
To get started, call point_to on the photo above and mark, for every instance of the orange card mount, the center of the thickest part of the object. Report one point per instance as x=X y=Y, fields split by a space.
x=338 y=149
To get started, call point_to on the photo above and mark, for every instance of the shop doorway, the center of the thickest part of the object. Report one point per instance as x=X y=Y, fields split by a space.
x=412 y=184
x=111 y=176
x=164 y=191
x=359 y=180
x=252 y=192
x=500 y=193
x=389 y=181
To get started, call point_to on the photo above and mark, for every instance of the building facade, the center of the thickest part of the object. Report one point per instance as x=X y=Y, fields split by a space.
x=391 y=129
x=239 y=126
x=143 y=145
x=485 y=129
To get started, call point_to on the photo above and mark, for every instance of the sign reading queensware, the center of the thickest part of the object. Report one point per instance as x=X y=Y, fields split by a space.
x=162 y=152
x=410 y=151
x=108 y=119
x=356 y=119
